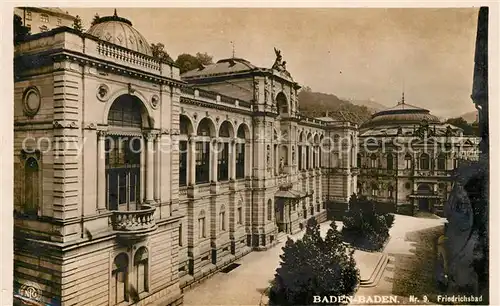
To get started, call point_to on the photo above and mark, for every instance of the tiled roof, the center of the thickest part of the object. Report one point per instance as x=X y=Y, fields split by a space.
x=224 y=66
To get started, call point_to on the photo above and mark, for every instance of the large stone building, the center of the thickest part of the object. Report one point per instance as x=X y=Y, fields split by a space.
x=133 y=182
x=407 y=157
x=43 y=19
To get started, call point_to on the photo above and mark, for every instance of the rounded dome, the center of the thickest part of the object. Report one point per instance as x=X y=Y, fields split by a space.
x=119 y=31
x=401 y=114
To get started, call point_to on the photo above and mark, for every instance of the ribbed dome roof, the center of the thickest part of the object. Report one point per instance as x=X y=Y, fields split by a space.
x=401 y=114
x=119 y=31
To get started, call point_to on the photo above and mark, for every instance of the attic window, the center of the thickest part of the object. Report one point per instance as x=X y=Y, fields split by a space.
x=140 y=42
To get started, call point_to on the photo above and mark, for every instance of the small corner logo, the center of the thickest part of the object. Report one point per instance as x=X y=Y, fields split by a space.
x=30 y=293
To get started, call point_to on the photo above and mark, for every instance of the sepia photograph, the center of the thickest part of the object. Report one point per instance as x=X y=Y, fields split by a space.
x=264 y=156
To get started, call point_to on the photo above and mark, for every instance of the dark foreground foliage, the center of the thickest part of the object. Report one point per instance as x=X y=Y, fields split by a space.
x=314 y=266
x=363 y=227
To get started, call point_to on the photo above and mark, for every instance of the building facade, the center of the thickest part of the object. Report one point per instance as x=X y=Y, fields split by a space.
x=43 y=19
x=133 y=183
x=407 y=158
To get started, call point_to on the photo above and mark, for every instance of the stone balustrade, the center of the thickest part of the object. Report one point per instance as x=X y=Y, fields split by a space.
x=134 y=222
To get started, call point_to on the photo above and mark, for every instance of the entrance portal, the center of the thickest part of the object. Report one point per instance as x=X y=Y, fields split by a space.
x=423 y=203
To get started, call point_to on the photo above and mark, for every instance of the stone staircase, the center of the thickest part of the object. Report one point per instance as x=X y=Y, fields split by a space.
x=377 y=273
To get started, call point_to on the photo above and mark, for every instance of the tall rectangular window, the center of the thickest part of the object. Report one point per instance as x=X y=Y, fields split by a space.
x=240 y=160
x=238 y=221
x=201 y=227
x=182 y=163
x=222 y=218
x=307 y=157
x=180 y=234
x=300 y=157
x=202 y=162
x=223 y=162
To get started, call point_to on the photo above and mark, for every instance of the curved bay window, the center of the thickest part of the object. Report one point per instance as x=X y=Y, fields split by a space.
x=203 y=152
x=223 y=153
x=32 y=186
x=123 y=154
x=240 y=153
x=441 y=162
x=141 y=269
x=119 y=283
x=424 y=161
x=390 y=162
x=408 y=162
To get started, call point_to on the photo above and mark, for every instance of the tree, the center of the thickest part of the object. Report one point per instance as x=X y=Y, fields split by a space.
x=363 y=226
x=20 y=31
x=77 y=24
x=187 y=62
x=314 y=266
x=160 y=53
x=95 y=20
x=469 y=129
x=204 y=58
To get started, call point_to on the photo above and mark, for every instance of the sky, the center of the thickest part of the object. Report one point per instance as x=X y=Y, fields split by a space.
x=354 y=53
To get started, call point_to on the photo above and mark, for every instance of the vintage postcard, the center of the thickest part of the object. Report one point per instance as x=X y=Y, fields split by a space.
x=250 y=156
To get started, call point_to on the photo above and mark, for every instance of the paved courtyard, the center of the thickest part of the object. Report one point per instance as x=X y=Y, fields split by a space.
x=245 y=284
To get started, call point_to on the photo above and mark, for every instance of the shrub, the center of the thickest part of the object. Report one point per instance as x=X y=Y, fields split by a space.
x=363 y=227
x=314 y=266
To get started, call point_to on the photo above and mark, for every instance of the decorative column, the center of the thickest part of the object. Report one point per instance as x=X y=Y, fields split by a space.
x=232 y=159
x=101 y=170
x=191 y=172
x=214 y=154
x=149 y=167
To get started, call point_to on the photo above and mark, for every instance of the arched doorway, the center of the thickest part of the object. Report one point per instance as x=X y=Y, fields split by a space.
x=423 y=202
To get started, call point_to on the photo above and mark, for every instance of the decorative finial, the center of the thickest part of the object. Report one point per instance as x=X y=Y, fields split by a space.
x=116 y=15
x=403 y=97
x=232 y=43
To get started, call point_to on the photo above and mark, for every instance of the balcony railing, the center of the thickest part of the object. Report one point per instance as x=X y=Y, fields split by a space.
x=134 y=223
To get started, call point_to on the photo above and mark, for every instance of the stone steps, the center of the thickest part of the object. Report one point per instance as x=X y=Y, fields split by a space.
x=377 y=272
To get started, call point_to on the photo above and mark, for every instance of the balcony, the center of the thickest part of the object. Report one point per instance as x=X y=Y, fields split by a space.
x=134 y=224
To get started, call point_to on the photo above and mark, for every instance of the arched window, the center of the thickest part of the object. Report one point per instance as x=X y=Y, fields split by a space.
x=374 y=190
x=408 y=161
x=141 y=269
x=282 y=104
x=390 y=161
x=126 y=111
x=358 y=160
x=424 y=161
x=123 y=153
x=32 y=187
x=359 y=188
x=119 y=286
x=269 y=210
x=240 y=152
x=441 y=163
x=223 y=152
x=390 y=191
x=201 y=225
x=202 y=162
x=308 y=148
x=373 y=161
x=222 y=218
